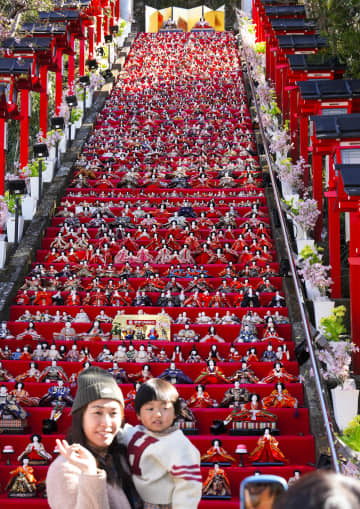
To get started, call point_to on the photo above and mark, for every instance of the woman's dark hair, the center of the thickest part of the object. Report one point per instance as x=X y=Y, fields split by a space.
x=118 y=471
x=35 y=435
x=321 y=490
x=156 y=389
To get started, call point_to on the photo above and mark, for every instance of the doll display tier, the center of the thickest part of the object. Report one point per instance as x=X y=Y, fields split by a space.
x=178 y=159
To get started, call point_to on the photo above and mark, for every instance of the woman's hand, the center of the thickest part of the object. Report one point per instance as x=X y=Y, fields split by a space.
x=78 y=456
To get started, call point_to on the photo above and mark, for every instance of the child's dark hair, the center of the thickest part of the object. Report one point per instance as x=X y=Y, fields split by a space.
x=156 y=389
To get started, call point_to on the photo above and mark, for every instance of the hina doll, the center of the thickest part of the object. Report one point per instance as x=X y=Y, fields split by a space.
x=31 y=375
x=267 y=450
x=279 y=374
x=280 y=398
x=235 y=396
x=9 y=407
x=211 y=374
x=22 y=397
x=217 y=454
x=212 y=337
x=251 y=411
x=201 y=399
x=217 y=484
x=22 y=482
x=244 y=375
x=175 y=375
x=35 y=451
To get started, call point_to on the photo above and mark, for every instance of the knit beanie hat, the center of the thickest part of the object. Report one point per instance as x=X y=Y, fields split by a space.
x=95 y=383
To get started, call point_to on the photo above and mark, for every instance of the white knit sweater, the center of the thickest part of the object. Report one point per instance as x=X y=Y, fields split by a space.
x=165 y=466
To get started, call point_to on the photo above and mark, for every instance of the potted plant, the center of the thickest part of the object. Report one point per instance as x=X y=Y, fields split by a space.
x=31 y=173
x=304 y=213
x=313 y=272
x=76 y=117
x=335 y=359
x=10 y=201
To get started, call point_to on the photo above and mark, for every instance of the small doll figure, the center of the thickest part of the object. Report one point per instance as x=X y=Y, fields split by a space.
x=201 y=399
x=280 y=398
x=57 y=394
x=175 y=375
x=212 y=374
x=251 y=411
x=217 y=484
x=267 y=450
x=268 y=355
x=22 y=482
x=294 y=478
x=22 y=396
x=10 y=411
x=217 y=454
x=244 y=375
x=35 y=452
x=279 y=374
x=185 y=419
x=235 y=396
x=130 y=396
x=118 y=373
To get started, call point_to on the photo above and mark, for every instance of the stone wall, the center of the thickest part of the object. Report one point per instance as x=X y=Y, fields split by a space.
x=139 y=9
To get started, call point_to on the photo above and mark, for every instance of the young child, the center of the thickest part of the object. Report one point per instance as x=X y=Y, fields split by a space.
x=165 y=465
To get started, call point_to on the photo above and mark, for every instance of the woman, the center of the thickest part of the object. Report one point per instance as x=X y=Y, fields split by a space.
x=91 y=470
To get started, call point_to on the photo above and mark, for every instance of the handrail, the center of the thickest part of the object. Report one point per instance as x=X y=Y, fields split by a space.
x=298 y=291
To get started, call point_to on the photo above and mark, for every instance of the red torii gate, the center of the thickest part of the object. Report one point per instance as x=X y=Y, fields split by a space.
x=344 y=196
x=258 y=12
x=16 y=73
x=76 y=23
x=42 y=52
x=332 y=135
x=271 y=12
x=314 y=97
x=309 y=69
x=279 y=28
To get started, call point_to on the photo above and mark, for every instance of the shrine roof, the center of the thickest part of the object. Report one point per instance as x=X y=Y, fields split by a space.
x=329 y=89
x=293 y=24
x=28 y=43
x=285 y=10
x=306 y=62
x=63 y=15
x=45 y=28
x=299 y=41
x=14 y=66
x=337 y=126
x=350 y=174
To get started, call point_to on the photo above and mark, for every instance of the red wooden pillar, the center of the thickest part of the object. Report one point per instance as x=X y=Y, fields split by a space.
x=117 y=10
x=98 y=29
x=304 y=137
x=82 y=57
x=334 y=243
x=2 y=156
x=279 y=69
x=24 y=128
x=354 y=263
x=71 y=67
x=112 y=15
x=317 y=165
x=292 y=92
x=91 y=34
x=58 y=84
x=43 y=100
